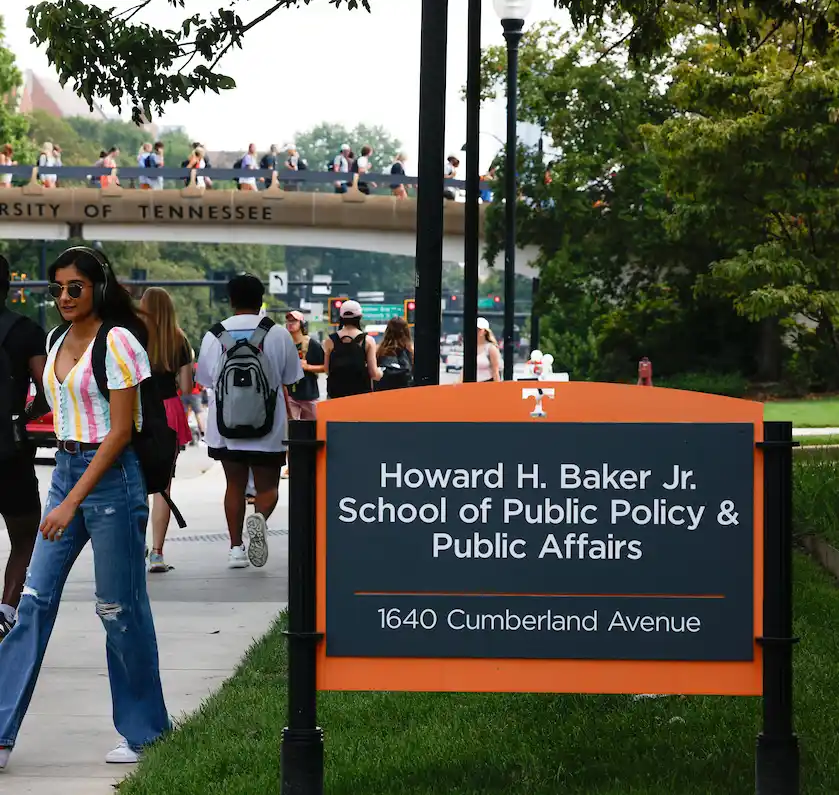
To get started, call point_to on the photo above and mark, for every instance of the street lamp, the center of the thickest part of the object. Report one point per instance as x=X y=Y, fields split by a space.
x=512 y=14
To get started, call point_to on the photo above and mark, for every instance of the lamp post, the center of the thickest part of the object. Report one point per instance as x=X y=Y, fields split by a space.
x=512 y=14
x=432 y=141
x=471 y=259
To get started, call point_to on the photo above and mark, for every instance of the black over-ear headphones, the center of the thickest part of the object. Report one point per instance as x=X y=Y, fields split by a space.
x=99 y=288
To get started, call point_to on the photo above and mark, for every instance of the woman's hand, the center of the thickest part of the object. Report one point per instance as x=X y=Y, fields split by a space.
x=58 y=520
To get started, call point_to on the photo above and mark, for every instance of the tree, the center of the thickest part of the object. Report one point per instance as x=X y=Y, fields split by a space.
x=749 y=160
x=111 y=55
x=13 y=126
x=320 y=144
x=614 y=284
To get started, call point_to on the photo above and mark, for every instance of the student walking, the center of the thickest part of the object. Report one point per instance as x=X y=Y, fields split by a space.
x=248 y=361
x=22 y=356
x=395 y=356
x=304 y=395
x=350 y=356
x=489 y=357
x=97 y=494
x=170 y=357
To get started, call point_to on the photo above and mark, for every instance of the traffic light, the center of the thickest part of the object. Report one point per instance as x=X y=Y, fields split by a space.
x=335 y=305
x=496 y=299
x=18 y=296
x=410 y=310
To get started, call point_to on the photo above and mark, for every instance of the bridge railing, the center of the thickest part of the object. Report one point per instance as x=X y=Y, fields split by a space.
x=23 y=174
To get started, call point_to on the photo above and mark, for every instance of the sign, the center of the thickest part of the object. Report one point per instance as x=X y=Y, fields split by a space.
x=381 y=313
x=322 y=285
x=377 y=296
x=315 y=312
x=278 y=282
x=488 y=303
x=582 y=538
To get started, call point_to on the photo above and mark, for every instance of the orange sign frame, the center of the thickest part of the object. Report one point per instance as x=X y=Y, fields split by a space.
x=571 y=402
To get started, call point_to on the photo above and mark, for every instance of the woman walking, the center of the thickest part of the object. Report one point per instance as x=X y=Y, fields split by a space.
x=395 y=356
x=97 y=494
x=489 y=357
x=170 y=357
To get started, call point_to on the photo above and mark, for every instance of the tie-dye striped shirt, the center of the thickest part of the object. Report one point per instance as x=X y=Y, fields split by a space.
x=80 y=412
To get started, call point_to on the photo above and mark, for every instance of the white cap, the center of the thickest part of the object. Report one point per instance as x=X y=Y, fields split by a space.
x=483 y=323
x=345 y=147
x=351 y=309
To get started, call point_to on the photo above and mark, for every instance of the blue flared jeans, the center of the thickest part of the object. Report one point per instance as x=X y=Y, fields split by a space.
x=113 y=518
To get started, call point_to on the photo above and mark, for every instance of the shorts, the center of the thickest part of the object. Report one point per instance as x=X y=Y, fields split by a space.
x=192 y=402
x=250 y=458
x=19 y=494
x=302 y=409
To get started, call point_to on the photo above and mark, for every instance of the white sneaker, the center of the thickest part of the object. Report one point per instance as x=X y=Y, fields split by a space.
x=257 y=543
x=5 y=753
x=238 y=558
x=123 y=754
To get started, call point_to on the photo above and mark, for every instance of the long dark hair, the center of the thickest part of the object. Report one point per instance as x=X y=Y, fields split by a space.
x=117 y=306
x=397 y=337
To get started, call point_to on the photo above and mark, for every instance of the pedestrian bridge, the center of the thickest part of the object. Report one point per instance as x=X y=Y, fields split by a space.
x=282 y=214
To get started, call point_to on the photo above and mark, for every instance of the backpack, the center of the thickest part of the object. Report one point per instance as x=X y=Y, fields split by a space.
x=245 y=399
x=156 y=444
x=348 y=367
x=397 y=372
x=148 y=162
x=11 y=432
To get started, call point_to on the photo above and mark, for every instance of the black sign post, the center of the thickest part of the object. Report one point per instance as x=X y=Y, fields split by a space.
x=777 y=762
x=302 y=739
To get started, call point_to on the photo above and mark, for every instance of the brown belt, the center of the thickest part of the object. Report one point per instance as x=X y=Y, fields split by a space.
x=72 y=447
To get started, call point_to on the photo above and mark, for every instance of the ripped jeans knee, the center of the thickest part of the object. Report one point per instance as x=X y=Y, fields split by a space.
x=111 y=612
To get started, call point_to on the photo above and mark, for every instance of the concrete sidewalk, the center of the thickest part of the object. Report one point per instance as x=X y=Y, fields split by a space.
x=206 y=617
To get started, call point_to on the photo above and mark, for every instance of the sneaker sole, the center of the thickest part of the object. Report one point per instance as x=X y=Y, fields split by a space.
x=238 y=564
x=257 y=545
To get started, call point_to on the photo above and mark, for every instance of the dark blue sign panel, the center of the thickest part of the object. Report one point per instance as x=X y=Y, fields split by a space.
x=545 y=540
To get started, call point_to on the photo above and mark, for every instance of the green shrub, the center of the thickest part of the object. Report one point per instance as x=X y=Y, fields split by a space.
x=815 y=503
x=728 y=384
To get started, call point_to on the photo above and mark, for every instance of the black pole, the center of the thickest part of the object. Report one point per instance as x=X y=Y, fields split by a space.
x=42 y=275
x=432 y=142
x=472 y=228
x=512 y=33
x=534 y=316
x=777 y=760
x=302 y=740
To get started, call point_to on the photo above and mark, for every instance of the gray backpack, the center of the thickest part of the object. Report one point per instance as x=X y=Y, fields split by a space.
x=245 y=399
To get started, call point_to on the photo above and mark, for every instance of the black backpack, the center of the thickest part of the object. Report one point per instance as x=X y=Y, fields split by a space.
x=156 y=445
x=397 y=372
x=149 y=163
x=11 y=433
x=348 y=367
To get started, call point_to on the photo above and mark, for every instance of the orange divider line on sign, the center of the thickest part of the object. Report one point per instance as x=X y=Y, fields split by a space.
x=547 y=595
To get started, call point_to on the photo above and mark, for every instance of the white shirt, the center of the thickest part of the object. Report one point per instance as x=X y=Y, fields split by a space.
x=283 y=362
x=248 y=163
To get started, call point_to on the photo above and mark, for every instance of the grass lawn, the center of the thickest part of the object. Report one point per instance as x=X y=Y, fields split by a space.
x=477 y=744
x=814 y=413
x=817 y=441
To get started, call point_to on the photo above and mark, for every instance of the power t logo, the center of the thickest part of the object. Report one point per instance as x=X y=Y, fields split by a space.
x=538 y=394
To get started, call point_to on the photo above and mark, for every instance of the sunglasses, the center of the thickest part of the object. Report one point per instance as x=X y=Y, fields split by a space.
x=74 y=289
